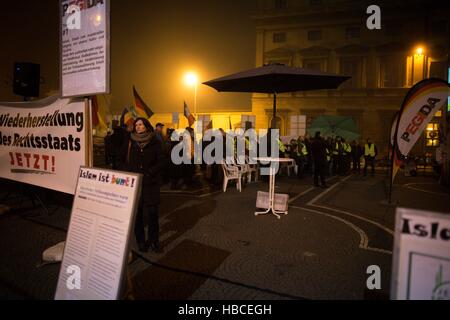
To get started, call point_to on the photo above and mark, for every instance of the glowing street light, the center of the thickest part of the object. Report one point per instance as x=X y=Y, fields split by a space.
x=419 y=51
x=191 y=80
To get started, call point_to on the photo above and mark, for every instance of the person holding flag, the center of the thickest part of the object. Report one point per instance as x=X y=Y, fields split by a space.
x=126 y=119
x=188 y=115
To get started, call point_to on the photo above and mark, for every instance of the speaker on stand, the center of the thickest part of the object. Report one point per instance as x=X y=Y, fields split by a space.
x=26 y=83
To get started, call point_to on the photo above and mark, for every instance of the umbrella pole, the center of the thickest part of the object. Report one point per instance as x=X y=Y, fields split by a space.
x=274 y=119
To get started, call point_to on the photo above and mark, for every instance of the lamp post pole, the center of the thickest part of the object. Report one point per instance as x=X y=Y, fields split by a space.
x=195 y=99
x=191 y=80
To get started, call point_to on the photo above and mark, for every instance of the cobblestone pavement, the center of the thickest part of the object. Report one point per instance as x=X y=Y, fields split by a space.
x=216 y=248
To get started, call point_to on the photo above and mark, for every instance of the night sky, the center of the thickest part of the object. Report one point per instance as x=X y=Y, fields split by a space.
x=153 y=43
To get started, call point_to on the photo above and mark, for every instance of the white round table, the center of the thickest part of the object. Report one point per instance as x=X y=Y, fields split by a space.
x=272 y=174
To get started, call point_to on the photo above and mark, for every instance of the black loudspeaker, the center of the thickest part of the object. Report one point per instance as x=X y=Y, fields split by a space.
x=27 y=77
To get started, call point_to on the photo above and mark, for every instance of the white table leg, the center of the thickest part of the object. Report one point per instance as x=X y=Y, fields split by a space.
x=272 y=198
x=274 y=212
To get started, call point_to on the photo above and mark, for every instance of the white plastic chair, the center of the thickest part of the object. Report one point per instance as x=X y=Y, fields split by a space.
x=231 y=172
x=291 y=165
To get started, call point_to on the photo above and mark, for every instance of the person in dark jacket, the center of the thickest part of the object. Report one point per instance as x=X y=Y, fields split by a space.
x=109 y=150
x=357 y=152
x=319 y=157
x=117 y=140
x=143 y=154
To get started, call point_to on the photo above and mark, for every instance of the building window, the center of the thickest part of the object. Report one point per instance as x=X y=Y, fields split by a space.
x=352 y=32
x=280 y=4
x=313 y=64
x=351 y=67
x=391 y=72
x=314 y=35
x=205 y=120
x=298 y=126
x=251 y=120
x=432 y=135
x=279 y=37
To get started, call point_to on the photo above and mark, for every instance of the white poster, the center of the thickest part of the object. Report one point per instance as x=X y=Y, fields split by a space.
x=85 y=56
x=97 y=242
x=43 y=143
x=421 y=265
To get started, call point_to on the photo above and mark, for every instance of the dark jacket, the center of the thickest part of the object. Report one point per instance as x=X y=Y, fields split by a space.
x=149 y=161
x=319 y=150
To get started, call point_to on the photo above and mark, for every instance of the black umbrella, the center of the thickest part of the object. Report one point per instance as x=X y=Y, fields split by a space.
x=277 y=78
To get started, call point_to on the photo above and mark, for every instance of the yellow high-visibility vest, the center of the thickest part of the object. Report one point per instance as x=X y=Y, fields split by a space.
x=347 y=148
x=369 y=151
x=302 y=148
x=328 y=154
x=281 y=146
x=247 y=143
x=336 y=149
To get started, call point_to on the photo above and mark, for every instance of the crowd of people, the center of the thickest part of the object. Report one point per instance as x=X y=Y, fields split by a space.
x=332 y=156
x=140 y=148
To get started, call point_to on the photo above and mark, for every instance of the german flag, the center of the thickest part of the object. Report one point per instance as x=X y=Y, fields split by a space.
x=141 y=109
x=126 y=117
x=100 y=113
x=188 y=115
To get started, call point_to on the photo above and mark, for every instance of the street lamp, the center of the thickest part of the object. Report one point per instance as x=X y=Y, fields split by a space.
x=419 y=65
x=419 y=51
x=191 y=80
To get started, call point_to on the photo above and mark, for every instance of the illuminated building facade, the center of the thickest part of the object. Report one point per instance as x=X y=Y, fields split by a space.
x=332 y=36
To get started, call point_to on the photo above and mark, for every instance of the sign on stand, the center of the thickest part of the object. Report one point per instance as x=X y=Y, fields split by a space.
x=421 y=264
x=45 y=142
x=96 y=248
x=85 y=48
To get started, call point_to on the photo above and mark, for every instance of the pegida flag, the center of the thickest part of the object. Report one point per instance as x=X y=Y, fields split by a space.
x=419 y=107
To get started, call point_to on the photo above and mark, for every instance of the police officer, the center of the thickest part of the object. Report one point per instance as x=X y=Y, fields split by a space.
x=282 y=148
x=299 y=154
x=337 y=156
x=346 y=155
x=370 y=153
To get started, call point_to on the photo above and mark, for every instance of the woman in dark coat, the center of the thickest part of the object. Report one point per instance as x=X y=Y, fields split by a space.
x=143 y=153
